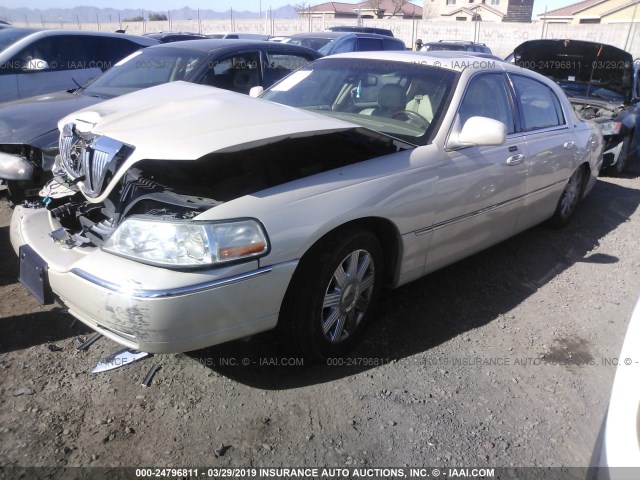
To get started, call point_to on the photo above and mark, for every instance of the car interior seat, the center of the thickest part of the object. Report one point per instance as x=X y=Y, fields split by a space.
x=421 y=104
x=391 y=100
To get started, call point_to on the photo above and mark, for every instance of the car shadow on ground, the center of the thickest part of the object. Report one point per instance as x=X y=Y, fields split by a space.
x=423 y=314
x=10 y=269
x=23 y=331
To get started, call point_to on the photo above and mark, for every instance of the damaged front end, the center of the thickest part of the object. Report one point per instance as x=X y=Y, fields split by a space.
x=176 y=192
x=25 y=168
x=616 y=122
x=601 y=83
x=140 y=249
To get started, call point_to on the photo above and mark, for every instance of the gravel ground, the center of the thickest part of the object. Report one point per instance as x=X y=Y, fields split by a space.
x=500 y=360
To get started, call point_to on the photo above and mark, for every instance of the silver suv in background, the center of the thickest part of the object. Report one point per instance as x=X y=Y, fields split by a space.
x=33 y=62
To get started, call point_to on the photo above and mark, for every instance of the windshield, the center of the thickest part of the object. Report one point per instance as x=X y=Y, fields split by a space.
x=8 y=36
x=404 y=100
x=144 y=69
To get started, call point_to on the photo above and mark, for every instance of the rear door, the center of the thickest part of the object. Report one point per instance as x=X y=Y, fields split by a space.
x=551 y=152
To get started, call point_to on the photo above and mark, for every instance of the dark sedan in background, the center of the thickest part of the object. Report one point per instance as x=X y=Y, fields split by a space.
x=331 y=43
x=28 y=128
x=602 y=85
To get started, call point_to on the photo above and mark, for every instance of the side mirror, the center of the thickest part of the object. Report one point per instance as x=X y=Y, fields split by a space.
x=255 y=92
x=478 y=131
x=36 y=64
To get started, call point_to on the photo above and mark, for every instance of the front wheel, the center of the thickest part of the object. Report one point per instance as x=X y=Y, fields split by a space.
x=569 y=199
x=623 y=157
x=332 y=294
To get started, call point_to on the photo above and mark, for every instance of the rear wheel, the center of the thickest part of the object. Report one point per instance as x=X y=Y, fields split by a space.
x=569 y=199
x=332 y=294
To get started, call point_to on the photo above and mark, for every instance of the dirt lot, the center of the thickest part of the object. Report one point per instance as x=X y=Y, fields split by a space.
x=500 y=360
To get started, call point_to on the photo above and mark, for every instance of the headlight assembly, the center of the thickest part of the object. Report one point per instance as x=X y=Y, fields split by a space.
x=173 y=243
x=610 y=127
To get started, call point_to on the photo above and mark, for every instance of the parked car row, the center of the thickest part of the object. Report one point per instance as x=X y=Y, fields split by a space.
x=209 y=215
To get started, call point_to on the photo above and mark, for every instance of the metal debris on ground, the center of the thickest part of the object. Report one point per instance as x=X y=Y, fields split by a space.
x=149 y=376
x=90 y=341
x=119 y=359
x=221 y=450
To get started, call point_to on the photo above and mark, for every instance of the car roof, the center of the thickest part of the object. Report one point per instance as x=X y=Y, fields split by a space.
x=212 y=44
x=340 y=35
x=351 y=28
x=161 y=35
x=35 y=33
x=451 y=60
x=456 y=42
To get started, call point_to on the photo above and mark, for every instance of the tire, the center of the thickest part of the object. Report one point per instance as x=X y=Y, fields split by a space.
x=332 y=295
x=623 y=160
x=15 y=192
x=569 y=199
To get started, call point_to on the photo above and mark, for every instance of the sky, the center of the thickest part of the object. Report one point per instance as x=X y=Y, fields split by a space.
x=217 y=5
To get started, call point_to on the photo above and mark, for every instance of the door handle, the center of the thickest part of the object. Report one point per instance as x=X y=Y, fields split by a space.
x=568 y=144
x=515 y=159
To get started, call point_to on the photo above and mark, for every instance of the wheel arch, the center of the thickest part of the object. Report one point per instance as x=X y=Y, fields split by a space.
x=586 y=173
x=385 y=231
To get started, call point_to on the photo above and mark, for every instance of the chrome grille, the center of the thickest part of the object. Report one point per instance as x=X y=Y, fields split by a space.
x=89 y=161
x=95 y=166
x=71 y=147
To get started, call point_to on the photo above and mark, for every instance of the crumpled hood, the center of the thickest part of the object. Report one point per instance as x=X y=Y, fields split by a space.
x=26 y=121
x=573 y=60
x=184 y=121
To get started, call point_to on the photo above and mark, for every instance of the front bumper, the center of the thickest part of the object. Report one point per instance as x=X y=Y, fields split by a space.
x=155 y=309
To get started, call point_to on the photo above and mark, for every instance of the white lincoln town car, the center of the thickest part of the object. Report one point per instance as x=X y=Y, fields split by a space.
x=183 y=216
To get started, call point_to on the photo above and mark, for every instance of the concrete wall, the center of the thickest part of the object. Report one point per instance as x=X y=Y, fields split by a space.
x=500 y=37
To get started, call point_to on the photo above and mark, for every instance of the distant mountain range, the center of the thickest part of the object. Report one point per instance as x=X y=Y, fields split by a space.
x=103 y=15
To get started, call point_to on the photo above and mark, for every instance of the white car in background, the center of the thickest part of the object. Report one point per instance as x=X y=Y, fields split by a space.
x=621 y=446
x=190 y=216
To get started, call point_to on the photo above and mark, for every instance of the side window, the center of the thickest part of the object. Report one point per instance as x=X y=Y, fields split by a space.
x=349 y=45
x=74 y=52
x=282 y=64
x=487 y=96
x=238 y=72
x=392 y=45
x=62 y=52
x=540 y=106
x=111 y=50
x=369 y=44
